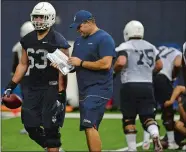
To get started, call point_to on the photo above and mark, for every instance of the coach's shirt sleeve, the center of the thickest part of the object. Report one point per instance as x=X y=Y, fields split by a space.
x=107 y=47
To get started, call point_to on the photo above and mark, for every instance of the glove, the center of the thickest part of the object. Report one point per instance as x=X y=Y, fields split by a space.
x=7 y=92
x=10 y=87
x=62 y=96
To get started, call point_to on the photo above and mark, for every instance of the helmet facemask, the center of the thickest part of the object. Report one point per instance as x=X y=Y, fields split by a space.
x=44 y=22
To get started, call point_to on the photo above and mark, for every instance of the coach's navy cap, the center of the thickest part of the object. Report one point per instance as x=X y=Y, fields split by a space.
x=80 y=17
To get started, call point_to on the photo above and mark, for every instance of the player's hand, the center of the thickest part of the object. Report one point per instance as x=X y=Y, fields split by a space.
x=179 y=100
x=10 y=87
x=7 y=92
x=54 y=65
x=62 y=96
x=168 y=103
x=75 y=61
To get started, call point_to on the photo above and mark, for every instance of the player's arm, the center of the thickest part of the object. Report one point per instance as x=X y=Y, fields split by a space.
x=181 y=110
x=63 y=78
x=15 y=62
x=184 y=70
x=65 y=51
x=176 y=93
x=158 y=65
x=121 y=61
x=18 y=75
x=177 y=66
x=62 y=81
x=21 y=68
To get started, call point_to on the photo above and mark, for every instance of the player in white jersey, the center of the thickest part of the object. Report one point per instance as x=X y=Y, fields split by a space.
x=26 y=28
x=184 y=63
x=137 y=60
x=179 y=93
x=163 y=89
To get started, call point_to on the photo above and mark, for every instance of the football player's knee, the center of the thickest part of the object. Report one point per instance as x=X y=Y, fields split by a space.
x=34 y=132
x=178 y=124
x=146 y=122
x=53 y=137
x=129 y=126
x=168 y=119
x=37 y=134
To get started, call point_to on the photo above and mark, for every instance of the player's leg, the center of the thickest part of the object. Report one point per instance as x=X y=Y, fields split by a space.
x=146 y=140
x=179 y=126
x=163 y=91
x=53 y=114
x=146 y=107
x=31 y=116
x=91 y=113
x=128 y=109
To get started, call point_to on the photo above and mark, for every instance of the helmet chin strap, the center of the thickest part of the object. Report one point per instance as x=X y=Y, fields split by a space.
x=42 y=31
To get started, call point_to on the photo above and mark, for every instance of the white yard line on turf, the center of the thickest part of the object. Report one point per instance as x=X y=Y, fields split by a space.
x=8 y=115
x=126 y=148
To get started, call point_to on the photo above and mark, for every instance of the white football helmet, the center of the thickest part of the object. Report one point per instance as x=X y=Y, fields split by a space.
x=133 y=29
x=48 y=12
x=26 y=28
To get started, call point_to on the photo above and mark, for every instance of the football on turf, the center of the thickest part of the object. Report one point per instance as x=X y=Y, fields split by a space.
x=12 y=102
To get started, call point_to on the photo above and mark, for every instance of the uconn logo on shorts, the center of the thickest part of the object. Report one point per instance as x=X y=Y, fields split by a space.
x=86 y=121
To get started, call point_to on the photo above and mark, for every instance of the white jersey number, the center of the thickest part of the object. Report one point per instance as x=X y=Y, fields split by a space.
x=32 y=63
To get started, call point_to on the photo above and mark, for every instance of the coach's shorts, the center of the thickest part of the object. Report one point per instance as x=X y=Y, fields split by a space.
x=162 y=88
x=137 y=98
x=91 y=112
x=41 y=108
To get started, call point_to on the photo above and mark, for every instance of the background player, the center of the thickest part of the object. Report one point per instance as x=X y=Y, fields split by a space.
x=44 y=91
x=163 y=88
x=137 y=60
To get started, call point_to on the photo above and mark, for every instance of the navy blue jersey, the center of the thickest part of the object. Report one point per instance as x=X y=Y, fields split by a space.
x=93 y=48
x=39 y=72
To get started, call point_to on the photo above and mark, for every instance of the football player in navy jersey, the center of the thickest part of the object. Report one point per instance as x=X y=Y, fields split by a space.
x=26 y=28
x=44 y=92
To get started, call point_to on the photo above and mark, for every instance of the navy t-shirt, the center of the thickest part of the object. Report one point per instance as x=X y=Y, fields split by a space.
x=93 y=48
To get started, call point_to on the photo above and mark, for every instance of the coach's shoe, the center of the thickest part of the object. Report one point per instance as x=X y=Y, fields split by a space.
x=173 y=145
x=157 y=144
x=146 y=145
x=60 y=150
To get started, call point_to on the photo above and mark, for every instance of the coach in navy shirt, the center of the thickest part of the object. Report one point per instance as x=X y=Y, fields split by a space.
x=92 y=56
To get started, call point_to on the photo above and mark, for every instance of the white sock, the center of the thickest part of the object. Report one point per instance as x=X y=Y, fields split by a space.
x=170 y=136
x=153 y=130
x=131 y=141
x=146 y=136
